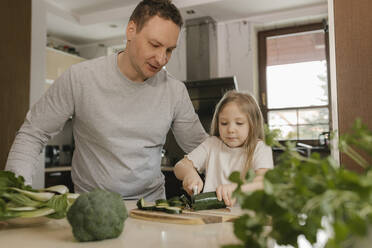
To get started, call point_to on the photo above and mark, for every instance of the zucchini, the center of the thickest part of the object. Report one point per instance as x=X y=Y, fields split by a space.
x=160 y=208
x=141 y=204
x=161 y=201
x=206 y=200
x=186 y=201
x=161 y=205
x=149 y=206
x=173 y=210
x=176 y=204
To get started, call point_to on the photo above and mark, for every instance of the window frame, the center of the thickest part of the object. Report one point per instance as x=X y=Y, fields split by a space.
x=262 y=62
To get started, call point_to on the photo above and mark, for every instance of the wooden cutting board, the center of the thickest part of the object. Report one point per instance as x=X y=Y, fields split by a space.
x=187 y=217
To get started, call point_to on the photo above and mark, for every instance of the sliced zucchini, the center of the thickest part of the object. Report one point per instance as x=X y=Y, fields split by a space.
x=176 y=204
x=206 y=200
x=149 y=206
x=140 y=203
x=161 y=201
x=160 y=208
x=163 y=204
x=185 y=200
x=173 y=210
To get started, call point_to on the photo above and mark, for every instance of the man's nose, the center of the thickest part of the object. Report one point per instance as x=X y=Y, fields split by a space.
x=162 y=58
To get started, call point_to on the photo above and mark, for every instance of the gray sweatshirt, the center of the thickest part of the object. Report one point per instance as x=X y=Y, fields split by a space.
x=119 y=127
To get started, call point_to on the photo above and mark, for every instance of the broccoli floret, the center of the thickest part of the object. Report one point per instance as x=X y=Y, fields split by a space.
x=97 y=215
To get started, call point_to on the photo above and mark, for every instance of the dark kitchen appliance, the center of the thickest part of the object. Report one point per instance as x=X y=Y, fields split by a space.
x=204 y=94
x=51 y=156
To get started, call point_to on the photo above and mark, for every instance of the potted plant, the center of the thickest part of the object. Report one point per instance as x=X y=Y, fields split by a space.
x=304 y=197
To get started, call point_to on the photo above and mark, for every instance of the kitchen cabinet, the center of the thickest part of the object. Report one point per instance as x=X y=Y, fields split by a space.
x=15 y=50
x=353 y=54
x=57 y=62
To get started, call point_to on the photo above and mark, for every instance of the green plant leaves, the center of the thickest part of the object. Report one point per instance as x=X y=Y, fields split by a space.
x=300 y=192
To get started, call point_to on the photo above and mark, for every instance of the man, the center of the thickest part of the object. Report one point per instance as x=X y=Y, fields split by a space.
x=122 y=107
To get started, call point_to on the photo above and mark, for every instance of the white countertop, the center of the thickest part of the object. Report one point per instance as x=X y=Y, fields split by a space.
x=136 y=233
x=68 y=168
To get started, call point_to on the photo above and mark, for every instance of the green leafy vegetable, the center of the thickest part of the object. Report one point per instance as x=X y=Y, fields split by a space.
x=300 y=192
x=18 y=200
x=39 y=196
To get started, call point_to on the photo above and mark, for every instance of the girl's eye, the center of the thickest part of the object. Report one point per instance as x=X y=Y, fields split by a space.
x=223 y=123
x=240 y=123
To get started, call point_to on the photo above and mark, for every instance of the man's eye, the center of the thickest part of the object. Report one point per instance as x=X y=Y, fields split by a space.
x=154 y=45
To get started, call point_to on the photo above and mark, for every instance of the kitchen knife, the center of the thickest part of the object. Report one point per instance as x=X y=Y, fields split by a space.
x=195 y=190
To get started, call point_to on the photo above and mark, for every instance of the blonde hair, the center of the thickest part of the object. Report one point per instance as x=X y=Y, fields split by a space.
x=248 y=105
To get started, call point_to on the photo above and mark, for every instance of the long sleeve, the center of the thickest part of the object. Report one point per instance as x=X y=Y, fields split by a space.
x=186 y=127
x=45 y=119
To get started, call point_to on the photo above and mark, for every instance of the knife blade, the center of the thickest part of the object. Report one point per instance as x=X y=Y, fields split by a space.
x=195 y=190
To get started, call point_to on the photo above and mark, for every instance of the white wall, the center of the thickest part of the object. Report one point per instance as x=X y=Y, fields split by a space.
x=236 y=53
x=332 y=57
x=38 y=42
x=177 y=64
x=95 y=50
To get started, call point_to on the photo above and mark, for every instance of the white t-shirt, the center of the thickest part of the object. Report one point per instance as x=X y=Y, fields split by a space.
x=219 y=161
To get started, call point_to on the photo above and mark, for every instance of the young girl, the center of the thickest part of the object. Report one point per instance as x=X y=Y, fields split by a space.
x=236 y=144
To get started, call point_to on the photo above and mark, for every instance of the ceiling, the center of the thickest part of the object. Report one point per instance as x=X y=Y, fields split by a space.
x=88 y=21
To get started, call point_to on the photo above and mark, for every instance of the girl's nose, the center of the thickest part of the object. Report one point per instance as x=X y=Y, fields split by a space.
x=230 y=128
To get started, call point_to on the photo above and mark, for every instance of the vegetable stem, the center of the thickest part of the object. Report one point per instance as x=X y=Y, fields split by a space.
x=43 y=196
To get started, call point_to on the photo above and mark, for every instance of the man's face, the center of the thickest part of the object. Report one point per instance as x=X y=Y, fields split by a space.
x=151 y=48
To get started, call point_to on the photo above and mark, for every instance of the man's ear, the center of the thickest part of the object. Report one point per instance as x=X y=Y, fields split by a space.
x=131 y=30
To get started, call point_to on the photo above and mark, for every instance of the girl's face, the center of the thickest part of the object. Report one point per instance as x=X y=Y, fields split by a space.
x=233 y=125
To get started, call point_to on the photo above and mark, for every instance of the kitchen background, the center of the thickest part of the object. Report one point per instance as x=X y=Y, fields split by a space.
x=60 y=33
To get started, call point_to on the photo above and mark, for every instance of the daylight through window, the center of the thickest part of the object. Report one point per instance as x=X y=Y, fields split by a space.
x=294 y=83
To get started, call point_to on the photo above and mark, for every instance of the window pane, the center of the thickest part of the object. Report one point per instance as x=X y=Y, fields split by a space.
x=296 y=70
x=287 y=132
x=285 y=121
x=299 y=124
x=282 y=117
x=297 y=85
x=313 y=116
x=308 y=132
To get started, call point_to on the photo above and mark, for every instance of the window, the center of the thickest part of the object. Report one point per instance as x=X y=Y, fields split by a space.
x=294 y=85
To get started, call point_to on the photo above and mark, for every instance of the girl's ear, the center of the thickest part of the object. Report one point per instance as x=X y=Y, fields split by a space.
x=131 y=30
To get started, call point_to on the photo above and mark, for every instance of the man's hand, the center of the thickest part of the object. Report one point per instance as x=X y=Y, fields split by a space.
x=192 y=179
x=224 y=192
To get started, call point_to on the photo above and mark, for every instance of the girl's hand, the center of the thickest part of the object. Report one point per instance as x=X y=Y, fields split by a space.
x=191 y=180
x=224 y=192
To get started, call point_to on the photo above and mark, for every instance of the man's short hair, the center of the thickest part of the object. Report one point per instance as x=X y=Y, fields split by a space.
x=149 y=8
